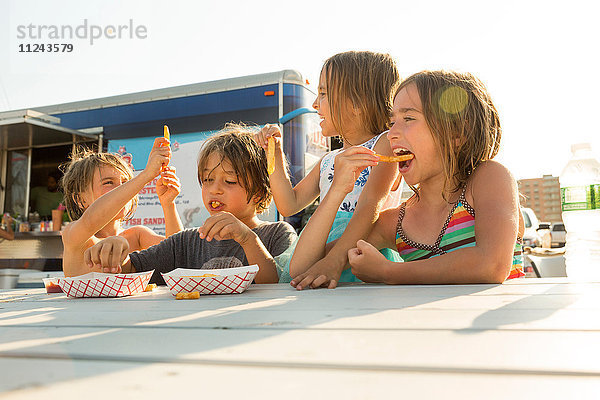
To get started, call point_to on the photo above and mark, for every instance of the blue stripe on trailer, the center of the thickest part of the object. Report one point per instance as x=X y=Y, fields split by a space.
x=211 y=103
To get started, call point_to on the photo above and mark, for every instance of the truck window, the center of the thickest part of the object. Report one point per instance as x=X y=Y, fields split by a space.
x=526 y=220
x=558 y=228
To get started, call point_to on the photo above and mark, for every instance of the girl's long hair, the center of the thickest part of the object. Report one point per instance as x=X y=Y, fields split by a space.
x=235 y=143
x=364 y=80
x=79 y=174
x=462 y=119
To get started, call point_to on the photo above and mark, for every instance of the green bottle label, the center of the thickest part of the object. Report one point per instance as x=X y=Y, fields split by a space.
x=597 y=196
x=577 y=198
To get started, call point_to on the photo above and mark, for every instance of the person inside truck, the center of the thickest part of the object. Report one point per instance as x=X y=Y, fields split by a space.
x=44 y=199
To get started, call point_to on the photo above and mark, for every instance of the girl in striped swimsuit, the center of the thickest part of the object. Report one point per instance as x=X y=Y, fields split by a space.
x=463 y=223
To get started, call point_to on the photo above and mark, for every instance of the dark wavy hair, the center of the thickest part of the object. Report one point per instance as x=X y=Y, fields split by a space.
x=236 y=144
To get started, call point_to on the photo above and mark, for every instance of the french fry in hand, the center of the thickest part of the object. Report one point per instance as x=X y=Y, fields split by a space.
x=187 y=296
x=404 y=157
x=271 y=155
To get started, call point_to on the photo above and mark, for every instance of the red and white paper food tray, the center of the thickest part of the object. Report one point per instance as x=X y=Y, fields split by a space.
x=96 y=284
x=227 y=281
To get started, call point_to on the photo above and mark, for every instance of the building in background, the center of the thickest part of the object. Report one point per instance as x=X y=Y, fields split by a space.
x=543 y=196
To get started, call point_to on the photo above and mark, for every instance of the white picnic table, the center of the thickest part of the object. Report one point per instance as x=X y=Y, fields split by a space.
x=525 y=339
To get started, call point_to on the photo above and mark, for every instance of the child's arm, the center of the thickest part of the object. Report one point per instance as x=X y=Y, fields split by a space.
x=168 y=188
x=288 y=199
x=163 y=257
x=378 y=185
x=105 y=208
x=495 y=199
x=224 y=225
x=349 y=165
x=382 y=236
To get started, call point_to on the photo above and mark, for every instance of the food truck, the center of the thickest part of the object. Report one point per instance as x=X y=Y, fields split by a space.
x=36 y=141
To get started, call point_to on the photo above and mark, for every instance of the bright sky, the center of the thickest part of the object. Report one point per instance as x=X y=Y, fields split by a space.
x=539 y=59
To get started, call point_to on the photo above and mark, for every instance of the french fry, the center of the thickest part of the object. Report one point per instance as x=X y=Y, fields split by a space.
x=404 y=157
x=166 y=133
x=150 y=287
x=187 y=296
x=167 y=136
x=271 y=155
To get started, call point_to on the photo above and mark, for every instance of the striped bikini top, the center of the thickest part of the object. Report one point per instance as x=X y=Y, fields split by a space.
x=458 y=232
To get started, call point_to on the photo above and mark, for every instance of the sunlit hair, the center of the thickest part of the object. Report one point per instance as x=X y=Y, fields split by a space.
x=79 y=174
x=462 y=118
x=363 y=80
x=236 y=144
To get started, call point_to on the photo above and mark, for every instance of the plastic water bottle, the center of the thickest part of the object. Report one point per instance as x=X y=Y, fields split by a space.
x=580 y=199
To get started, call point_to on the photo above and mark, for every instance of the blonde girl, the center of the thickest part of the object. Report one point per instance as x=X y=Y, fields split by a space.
x=101 y=192
x=463 y=224
x=353 y=102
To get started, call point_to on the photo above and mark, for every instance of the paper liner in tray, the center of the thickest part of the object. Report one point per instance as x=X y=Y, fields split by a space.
x=226 y=281
x=96 y=284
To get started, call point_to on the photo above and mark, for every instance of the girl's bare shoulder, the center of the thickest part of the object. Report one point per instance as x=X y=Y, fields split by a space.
x=491 y=168
x=389 y=218
x=490 y=178
x=72 y=237
x=136 y=230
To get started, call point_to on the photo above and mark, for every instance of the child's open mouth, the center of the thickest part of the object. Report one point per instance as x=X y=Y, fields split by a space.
x=403 y=166
x=322 y=119
x=215 y=205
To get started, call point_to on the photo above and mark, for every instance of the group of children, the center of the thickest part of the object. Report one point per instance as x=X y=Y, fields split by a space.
x=445 y=126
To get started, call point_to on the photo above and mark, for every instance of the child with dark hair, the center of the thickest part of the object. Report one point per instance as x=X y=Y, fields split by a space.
x=232 y=171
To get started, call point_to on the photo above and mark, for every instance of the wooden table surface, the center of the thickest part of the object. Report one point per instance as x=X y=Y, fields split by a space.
x=528 y=338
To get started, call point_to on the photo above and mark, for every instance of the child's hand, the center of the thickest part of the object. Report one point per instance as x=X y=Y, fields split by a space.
x=320 y=275
x=108 y=254
x=168 y=186
x=368 y=264
x=224 y=225
x=348 y=166
x=269 y=130
x=160 y=155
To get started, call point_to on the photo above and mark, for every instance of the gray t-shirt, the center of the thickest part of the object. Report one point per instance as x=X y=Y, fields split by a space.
x=185 y=249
